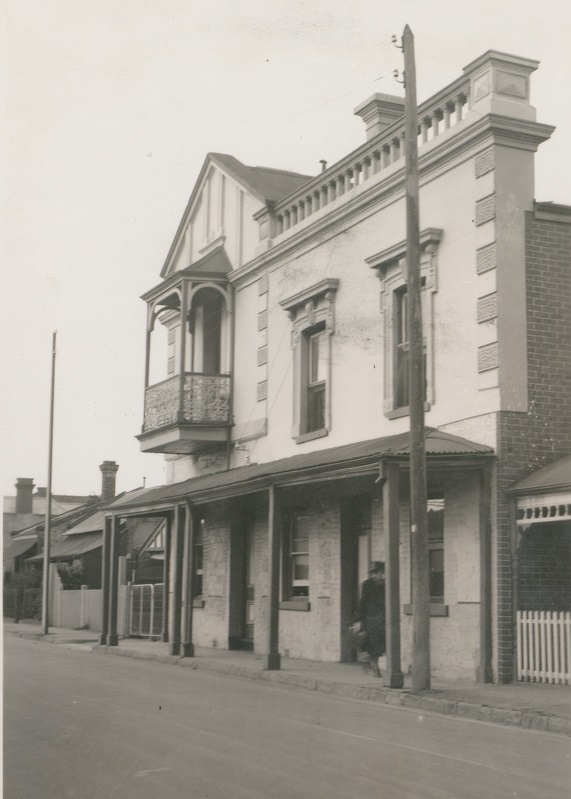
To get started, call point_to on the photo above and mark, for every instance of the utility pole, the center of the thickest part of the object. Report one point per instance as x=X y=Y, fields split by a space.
x=416 y=386
x=47 y=526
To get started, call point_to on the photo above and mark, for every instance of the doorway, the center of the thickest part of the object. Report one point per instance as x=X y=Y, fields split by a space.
x=242 y=597
x=249 y=610
x=355 y=559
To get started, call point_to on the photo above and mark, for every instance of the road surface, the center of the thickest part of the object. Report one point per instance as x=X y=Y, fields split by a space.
x=80 y=725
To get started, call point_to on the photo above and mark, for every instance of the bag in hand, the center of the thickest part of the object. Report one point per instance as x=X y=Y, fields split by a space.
x=358 y=636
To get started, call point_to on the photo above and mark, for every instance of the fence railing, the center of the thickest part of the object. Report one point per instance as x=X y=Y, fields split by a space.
x=146 y=610
x=544 y=646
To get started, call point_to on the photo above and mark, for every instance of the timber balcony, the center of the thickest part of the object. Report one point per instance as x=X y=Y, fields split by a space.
x=188 y=377
x=182 y=416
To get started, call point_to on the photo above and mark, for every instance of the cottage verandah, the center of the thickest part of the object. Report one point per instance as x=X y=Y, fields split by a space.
x=331 y=491
x=542 y=504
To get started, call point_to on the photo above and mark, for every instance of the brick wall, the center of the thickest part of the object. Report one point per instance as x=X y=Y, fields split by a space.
x=529 y=441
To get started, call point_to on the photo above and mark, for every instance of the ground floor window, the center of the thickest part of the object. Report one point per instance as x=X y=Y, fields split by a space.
x=436 y=548
x=295 y=575
x=198 y=558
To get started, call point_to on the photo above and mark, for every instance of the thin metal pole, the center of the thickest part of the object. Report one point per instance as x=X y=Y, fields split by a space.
x=416 y=383
x=47 y=526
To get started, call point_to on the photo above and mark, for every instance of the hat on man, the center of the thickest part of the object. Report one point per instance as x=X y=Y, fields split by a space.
x=377 y=566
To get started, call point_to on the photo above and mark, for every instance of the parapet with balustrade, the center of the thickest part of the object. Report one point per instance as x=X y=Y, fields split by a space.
x=496 y=83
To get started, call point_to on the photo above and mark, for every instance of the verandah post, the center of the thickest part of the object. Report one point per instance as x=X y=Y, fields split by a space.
x=105 y=564
x=394 y=677
x=166 y=578
x=273 y=658
x=187 y=646
x=112 y=637
x=176 y=580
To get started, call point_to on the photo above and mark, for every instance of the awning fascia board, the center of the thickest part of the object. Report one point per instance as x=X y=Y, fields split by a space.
x=543 y=508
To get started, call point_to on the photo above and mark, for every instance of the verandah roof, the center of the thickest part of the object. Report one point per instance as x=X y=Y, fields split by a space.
x=554 y=477
x=72 y=547
x=359 y=458
x=18 y=548
x=545 y=496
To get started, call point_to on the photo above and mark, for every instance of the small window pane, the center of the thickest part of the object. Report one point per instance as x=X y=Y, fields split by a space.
x=301 y=568
x=299 y=555
x=317 y=358
x=436 y=563
x=315 y=408
x=401 y=332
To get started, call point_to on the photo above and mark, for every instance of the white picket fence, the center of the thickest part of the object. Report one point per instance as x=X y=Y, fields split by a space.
x=544 y=646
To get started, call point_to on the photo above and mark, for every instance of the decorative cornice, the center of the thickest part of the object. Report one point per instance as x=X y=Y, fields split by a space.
x=301 y=297
x=428 y=236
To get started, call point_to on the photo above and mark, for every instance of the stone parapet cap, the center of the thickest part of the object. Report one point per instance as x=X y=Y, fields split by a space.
x=499 y=83
x=527 y=65
x=379 y=112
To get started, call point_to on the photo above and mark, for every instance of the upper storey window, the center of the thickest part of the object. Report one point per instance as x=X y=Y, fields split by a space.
x=206 y=322
x=392 y=271
x=317 y=372
x=401 y=351
x=313 y=323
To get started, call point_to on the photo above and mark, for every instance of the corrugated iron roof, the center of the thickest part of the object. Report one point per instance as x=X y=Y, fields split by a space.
x=556 y=476
x=92 y=524
x=72 y=547
x=65 y=519
x=18 y=548
x=361 y=453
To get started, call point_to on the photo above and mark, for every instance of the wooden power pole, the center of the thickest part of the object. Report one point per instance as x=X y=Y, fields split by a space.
x=48 y=522
x=416 y=387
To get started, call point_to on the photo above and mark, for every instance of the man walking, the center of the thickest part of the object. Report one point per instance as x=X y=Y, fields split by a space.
x=372 y=614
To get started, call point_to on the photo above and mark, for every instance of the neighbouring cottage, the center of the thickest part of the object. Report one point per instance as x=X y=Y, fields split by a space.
x=276 y=385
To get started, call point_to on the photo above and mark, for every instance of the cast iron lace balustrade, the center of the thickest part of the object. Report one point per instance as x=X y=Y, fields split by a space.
x=206 y=400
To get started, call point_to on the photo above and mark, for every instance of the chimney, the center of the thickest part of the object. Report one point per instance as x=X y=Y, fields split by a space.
x=108 y=470
x=24 y=490
x=379 y=112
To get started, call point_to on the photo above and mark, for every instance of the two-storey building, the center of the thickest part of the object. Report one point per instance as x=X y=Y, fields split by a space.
x=276 y=386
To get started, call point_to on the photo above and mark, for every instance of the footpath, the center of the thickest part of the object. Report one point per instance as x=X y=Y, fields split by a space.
x=523 y=704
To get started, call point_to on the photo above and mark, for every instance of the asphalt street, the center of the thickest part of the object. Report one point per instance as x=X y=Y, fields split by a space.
x=80 y=725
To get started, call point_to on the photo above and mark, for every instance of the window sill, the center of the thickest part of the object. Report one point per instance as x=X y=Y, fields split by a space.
x=310 y=436
x=436 y=609
x=398 y=413
x=295 y=604
x=198 y=602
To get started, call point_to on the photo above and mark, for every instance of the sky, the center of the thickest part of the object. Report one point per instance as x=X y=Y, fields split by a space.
x=110 y=109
